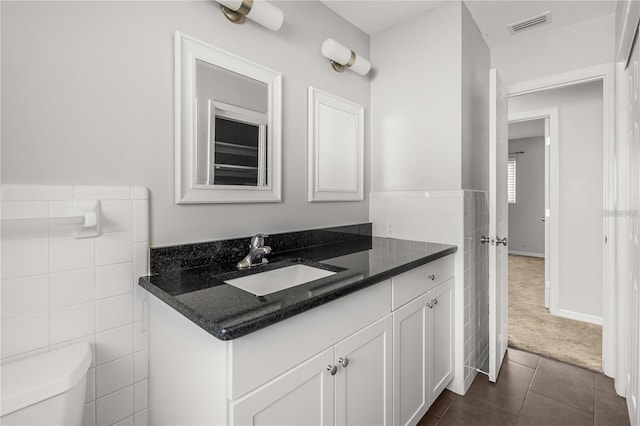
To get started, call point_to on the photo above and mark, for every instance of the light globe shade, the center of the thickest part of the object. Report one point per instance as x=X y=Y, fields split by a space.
x=262 y=12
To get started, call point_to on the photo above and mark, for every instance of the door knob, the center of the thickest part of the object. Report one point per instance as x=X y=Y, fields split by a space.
x=332 y=369
x=542 y=219
x=501 y=241
x=485 y=240
x=431 y=277
x=344 y=361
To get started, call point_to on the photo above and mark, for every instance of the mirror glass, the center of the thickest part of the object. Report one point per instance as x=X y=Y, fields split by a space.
x=232 y=127
x=228 y=129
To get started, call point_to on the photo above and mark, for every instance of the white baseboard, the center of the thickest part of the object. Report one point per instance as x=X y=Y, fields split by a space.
x=525 y=253
x=579 y=316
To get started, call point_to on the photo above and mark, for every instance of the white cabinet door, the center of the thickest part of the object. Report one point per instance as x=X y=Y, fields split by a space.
x=363 y=381
x=410 y=363
x=440 y=337
x=422 y=353
x=302 y=396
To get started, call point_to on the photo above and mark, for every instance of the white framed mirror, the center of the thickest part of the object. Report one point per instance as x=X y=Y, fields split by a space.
x=335 y=148
x=228 y=118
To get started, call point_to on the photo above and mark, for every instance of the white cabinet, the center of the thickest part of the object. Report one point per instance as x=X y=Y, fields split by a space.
x=390 y=364
x=347 y=384
x=364 y=387
x=440 y=337
x=302 y=396
x=422 y=352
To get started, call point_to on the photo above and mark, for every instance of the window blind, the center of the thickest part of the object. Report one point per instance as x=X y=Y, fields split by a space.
x=511 y=181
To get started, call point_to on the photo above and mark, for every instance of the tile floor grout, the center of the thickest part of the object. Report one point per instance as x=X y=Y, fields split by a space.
x=550 y=397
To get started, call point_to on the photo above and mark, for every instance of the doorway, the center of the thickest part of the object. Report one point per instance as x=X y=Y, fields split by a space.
x=555 y=223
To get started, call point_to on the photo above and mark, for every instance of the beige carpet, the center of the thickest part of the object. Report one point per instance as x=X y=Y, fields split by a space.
x=533 y=329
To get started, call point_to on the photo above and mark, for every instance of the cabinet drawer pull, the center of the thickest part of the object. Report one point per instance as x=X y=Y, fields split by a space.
x=344 y=361
x=332 y=369
x=431 y=277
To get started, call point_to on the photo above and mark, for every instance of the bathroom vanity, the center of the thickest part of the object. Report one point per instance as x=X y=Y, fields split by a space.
x=369 y=343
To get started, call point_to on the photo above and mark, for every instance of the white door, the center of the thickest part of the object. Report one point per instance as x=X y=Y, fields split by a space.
x=498 y=230
x=301 y=396
x=546 y=218
x=363 y=382
x=633 y=373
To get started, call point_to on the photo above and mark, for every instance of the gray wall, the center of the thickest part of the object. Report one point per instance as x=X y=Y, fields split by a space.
x=526 y=229
x=87 y=98
x=475 y=106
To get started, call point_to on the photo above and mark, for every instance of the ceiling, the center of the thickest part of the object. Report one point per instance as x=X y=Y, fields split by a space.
x=492 y=17
x=526 y=129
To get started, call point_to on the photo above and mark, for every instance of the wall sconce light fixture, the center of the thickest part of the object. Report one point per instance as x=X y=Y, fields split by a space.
x=342 y=57
x=260 y=11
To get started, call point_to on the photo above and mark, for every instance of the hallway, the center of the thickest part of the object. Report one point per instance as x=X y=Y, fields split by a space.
x=533 y=329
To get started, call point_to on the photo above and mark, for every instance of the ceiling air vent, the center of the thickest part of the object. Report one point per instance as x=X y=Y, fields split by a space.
x=534 y=21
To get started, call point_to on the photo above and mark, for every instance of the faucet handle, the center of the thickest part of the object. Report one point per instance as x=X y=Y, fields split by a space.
x=258 y=240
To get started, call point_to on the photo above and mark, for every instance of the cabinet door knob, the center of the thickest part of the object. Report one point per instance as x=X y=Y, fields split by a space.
x=344 y=361
x=435 y=301
x=332 y=369
x=431 y=277
x=430 y=304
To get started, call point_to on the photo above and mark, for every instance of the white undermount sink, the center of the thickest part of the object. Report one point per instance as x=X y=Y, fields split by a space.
x=279 y=279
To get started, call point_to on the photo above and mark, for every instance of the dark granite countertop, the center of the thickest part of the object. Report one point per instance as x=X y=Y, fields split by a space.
x=227 y=312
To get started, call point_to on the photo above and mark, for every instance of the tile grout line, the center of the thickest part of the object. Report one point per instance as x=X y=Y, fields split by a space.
x=595 y=398
x=535 y=371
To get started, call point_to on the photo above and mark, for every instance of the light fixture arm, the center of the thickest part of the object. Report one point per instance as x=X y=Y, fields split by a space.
x=259 y=11
x=237 y=16
x=339 y=67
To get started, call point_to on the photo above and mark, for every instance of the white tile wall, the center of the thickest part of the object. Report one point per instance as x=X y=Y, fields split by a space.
x=450 y=217
x=476 y=225
x=57 y=290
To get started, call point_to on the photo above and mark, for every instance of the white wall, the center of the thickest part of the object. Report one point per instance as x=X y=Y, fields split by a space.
x=580 y=110
x=58 y=290
x=475 y=110
x=556 y=51
x=87 y=97
x=526 y=229
x=429 y=122
x=415 y=103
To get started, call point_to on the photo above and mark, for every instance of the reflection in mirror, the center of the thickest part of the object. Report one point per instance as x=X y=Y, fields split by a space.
x=227 y=127
x=232 y=127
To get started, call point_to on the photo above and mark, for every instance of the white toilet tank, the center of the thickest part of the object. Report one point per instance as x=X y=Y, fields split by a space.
x=46 y=389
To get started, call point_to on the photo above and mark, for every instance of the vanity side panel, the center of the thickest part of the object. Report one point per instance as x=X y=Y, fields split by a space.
x=187 y=370
x=261 y=356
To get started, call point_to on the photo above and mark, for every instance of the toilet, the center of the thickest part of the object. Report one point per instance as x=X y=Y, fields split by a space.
x=46 y=389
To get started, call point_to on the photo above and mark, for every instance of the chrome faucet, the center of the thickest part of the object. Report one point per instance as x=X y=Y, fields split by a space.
x=257 y=251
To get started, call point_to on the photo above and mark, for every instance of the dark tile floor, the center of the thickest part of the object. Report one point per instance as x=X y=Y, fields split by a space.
x=532 y=391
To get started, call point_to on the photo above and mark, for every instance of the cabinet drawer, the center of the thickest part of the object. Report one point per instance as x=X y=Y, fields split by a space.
x=413 y=283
